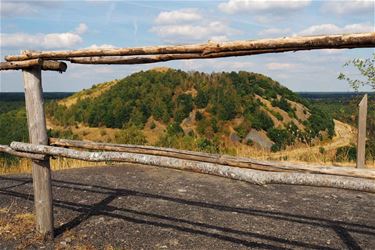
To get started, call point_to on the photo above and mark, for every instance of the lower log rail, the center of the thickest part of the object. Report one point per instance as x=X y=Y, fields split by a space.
x=232 y=161
x=248 y=175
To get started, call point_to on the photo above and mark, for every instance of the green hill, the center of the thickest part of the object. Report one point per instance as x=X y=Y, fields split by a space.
x=196 y=110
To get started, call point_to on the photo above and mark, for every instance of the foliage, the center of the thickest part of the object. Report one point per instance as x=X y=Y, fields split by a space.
x=281 y=138
x=366 y=67
x=131 y=135
x=260 y=120
x=166 y=96
x=346 y=153
x=63 y=134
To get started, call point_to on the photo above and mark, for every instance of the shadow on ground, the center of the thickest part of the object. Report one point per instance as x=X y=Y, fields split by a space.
x=142 y=207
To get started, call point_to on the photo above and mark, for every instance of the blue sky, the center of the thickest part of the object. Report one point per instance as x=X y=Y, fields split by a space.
x=61 y=25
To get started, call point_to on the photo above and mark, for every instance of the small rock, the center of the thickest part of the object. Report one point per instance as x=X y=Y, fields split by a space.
x=181 y=190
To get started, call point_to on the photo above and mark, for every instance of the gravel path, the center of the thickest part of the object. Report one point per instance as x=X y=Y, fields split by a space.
x=139 y=207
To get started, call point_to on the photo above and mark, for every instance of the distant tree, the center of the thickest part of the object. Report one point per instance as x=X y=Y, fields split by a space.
x=366 y=68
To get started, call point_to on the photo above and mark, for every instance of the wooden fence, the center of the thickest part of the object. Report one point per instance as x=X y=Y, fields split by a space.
x=253 y=171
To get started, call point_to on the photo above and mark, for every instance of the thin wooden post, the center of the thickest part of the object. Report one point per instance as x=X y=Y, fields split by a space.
x=38 y=135
x=361 y=141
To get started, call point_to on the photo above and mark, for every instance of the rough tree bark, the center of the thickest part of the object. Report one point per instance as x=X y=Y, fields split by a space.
x=45 y=64
x=38 y=135
x=241 y=162
x=9 y=150
x=361 y=139
x=248 y=175
x=360 y=40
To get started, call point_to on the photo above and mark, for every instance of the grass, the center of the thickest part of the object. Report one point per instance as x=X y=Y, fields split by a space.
x=24 y=165
x=19 y=230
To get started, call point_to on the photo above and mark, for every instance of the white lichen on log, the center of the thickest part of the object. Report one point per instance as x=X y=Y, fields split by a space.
x=248 y=175
x=217 y=159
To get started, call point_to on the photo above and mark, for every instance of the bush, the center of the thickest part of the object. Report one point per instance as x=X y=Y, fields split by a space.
x=243 y=129
x=63 y=134
x=207 y=145
x=175 y=129
x=260 y=120
x=130 y=135
x=346 y=153
x=201 y=100
x=280 y=137
x=198 y=116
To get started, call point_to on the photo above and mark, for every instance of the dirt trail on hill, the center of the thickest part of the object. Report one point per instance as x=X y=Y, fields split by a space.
x=345 y=134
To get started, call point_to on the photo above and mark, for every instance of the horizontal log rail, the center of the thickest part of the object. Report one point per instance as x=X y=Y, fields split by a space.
x=170 y=57
x=45 y=65
x=240 y=162
x=359 y=40
x=10 y=151
x=248 y=175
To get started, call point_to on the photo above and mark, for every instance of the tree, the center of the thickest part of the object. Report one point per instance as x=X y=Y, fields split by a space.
x=366 y=68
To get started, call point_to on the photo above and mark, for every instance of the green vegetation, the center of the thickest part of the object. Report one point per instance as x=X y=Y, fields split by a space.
x=344 y=107
x=366 y=68
x=168 y=97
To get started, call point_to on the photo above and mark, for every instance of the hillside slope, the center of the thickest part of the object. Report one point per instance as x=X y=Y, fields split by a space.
x=195 y=110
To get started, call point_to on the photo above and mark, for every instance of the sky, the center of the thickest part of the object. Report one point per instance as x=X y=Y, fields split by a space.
x=66 y=25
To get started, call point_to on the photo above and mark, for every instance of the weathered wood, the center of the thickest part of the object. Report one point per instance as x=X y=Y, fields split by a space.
x=168 y=57
x=38 y=135
x=54 y=66
x=217 y=159
x=360 y=40
x=361 y=139
x=20 y=64
x=8 y=150
x=46 y=65
x=248 y=175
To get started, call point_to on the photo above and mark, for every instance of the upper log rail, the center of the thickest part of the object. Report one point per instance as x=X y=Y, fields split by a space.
x=343 y=41
x=45 y=65
x=241 y=162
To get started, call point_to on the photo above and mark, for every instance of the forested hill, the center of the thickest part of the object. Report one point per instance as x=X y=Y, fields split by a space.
x=207 y=110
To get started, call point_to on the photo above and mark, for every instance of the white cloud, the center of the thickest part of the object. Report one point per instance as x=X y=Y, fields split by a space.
x=349 y=7
x=237 y=6
x=210 y=65
x=280 y=66
x=187 y=25
x=40 y=40
x=22 y=8
x=102 y=46
x=214 y=31
x=81 y=29
x=178 y=16
x=272 y=32
x=334 y=29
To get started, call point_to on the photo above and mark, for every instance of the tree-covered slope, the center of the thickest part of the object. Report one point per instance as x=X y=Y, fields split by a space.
x=200 y=108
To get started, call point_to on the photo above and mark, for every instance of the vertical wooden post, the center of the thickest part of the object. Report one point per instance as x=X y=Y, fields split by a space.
x=38 y=135
x=361 y=141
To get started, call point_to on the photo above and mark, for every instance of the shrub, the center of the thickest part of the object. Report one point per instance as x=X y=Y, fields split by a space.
x=130 y=135
x=175 y=129
x=346 y=153
x=198 y=116
x=207 y=145
x=280 y=137
x=201 y=100
x=260 y=120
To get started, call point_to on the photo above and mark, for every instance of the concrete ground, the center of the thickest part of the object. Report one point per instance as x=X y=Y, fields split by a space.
x=141 y=207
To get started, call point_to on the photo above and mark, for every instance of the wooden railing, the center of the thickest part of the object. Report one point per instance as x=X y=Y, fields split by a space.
x=33 y=62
